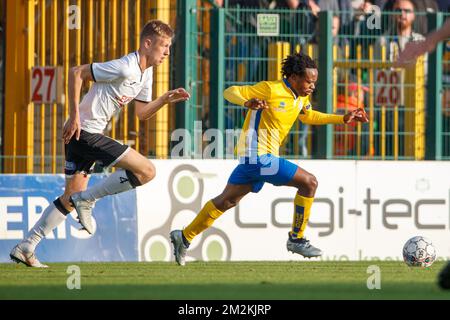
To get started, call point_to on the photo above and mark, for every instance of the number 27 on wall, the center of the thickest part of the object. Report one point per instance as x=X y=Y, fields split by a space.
x=46 y=85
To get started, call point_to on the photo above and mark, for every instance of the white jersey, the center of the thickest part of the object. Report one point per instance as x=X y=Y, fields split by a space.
x=117 y=82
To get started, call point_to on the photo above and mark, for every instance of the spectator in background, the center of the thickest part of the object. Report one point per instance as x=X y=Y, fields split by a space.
x=363 y=9
x=379 y=3
x=239 y=45
x=323 y=5
x=319 y=5
x=394 y=40
x=359 y=32
x=353 y=11
x=444 y=5
x=349 y=100
x=400 y=32
x=287 y=4
x=335 y=24
x=245 y=46
x=296 y=22
x=424 y=6
x=345 y=13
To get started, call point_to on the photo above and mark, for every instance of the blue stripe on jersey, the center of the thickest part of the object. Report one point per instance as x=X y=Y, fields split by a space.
x=286 y=82
x=254 y=145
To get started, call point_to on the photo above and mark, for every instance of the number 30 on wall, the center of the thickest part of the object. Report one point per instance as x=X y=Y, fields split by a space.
x=46 y=85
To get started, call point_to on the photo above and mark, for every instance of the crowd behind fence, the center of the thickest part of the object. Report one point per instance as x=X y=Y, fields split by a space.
x=363 y=40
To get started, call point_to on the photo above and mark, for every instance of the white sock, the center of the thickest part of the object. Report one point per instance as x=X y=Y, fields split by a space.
x=49 y=220
x=113 y=184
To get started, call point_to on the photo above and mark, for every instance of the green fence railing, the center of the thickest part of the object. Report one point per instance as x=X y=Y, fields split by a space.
x=445 y=142
x=409 y=113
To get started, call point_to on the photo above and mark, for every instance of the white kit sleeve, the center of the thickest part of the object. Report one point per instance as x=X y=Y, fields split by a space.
x=108 y=71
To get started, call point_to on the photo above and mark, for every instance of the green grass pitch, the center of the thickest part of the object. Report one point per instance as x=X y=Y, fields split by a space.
x=222 y=280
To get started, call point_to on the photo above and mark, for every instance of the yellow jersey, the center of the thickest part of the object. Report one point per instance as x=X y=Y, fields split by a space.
x=264 y=130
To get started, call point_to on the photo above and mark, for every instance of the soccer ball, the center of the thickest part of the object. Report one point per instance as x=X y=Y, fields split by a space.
x=419 y=252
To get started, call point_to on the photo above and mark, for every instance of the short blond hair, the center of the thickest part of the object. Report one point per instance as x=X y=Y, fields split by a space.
x=156 y=28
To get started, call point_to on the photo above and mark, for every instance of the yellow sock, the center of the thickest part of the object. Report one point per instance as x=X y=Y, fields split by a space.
x=202 y=221
x=302 y=210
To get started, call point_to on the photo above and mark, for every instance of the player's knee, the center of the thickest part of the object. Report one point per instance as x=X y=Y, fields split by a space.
x=223 y=204
x=312 y=183
x=150 y=171
x=230 y=203
x=146 y=173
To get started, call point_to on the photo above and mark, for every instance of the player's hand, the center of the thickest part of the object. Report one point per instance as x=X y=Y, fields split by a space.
x=357 y=115
x=177 y=95
x=315 y=9
x=71 y=127
x=411 y=52
x=256 y=104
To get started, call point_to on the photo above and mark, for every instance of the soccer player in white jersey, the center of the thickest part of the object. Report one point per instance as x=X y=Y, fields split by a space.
x=116 y=83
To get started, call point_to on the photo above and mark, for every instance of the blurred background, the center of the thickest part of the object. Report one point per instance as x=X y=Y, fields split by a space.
x=222 y=43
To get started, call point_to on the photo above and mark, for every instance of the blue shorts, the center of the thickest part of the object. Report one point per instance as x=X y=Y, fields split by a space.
x=265 y=168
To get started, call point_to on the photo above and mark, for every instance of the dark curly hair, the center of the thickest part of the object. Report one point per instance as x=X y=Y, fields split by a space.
x=297 y=63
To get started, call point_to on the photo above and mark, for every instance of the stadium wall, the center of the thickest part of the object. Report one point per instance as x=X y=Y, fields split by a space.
x=24 y=197
x=363 y=210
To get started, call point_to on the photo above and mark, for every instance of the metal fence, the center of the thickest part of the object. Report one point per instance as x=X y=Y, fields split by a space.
x=396 y=100
x=107 y=29
x=218 y=47
x=446 y=99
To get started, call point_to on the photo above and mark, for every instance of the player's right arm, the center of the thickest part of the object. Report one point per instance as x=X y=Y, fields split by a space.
x=415 y=49
x=77 y=75
x=253 y=97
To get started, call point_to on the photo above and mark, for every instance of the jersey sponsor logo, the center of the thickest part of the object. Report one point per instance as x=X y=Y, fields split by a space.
x=124 y=100
x=123 y=180
x=281 y=107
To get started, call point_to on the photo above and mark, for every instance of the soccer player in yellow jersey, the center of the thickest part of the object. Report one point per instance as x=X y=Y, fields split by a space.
x=274 y=107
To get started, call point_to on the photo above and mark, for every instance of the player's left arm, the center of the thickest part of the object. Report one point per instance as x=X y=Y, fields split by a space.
x=318 y=118
x=147 y=109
